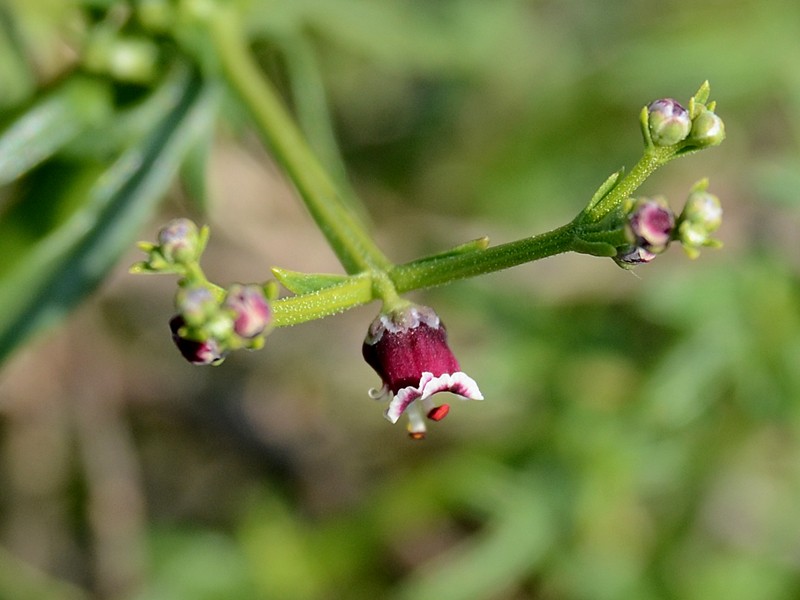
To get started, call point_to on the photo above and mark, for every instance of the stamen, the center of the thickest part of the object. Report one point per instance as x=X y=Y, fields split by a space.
x=438 y=413
x=416 y=424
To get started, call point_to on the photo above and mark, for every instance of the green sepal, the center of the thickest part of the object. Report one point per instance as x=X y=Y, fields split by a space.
x=697 y=102
x=644 y=122
x=306 y=283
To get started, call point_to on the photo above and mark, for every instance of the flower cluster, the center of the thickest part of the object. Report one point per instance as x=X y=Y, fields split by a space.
x=669 y=123
x=408 y=349
x=210 y=321
x=650 y=226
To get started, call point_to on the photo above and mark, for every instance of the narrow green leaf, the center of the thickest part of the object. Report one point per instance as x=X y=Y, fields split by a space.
x=70 y=261
x=50 y=124
x=305 y=283
x=604 y=189
x=194 y=167
x=17 y=80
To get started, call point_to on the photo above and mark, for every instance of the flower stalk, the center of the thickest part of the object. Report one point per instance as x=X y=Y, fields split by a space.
x=406 y=344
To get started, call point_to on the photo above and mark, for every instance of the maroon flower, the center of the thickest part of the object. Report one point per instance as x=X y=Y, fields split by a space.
x=408 y=349
x=197 y=353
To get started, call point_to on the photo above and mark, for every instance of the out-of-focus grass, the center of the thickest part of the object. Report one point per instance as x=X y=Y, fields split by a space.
x=640 y=437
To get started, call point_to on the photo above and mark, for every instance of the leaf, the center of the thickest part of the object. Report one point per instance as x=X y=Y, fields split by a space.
x=65 y=265
x=475 y=245
x=50 y=124
x=16 y=79
x=306 y=283
x=193 y=169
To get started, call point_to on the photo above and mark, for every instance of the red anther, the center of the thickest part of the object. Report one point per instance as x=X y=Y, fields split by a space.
x=416 y=435
x=439 y=412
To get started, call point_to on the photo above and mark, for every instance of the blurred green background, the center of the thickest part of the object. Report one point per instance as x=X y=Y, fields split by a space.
x=640 y=437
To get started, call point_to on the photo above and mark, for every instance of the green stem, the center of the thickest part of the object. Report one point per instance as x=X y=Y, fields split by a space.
x=436 y=271
x=652 y=159
x=585 y=234
x=354 y=291
x=352 y=245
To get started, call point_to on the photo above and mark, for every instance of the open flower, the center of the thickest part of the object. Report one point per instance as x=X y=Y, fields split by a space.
x=408 y=349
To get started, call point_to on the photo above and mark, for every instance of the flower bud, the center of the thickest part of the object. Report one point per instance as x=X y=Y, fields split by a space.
x=196 y=304
x=705 y=208
x=650 y=224
x=207 y=352
x=668 y=122
x=707 y=129
x=179 y=241
x=701 y=217
x=251 y=311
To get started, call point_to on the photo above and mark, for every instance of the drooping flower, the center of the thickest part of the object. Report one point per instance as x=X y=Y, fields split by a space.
x=408 y=349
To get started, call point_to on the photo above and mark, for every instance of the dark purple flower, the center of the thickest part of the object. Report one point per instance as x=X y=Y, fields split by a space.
x=408 y=349
x=197 y=353
x=252 y=313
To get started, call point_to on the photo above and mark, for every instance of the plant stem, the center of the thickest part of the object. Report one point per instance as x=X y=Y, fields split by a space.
x=652 y=159
x=436 y=271
x=352 y=245
x=354 y=291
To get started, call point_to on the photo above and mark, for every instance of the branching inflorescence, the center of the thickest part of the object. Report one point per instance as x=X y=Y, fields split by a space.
x=407 y=343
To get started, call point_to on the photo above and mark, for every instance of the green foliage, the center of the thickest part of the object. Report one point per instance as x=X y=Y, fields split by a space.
x=640 y=436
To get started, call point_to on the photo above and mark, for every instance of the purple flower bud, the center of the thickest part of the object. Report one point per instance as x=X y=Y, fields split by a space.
x=179 y=241
x=668 y=121
x=408 y=349
x=196 y=304
x=252 y=313
x=650 y=224
x=197 y=353
x=707 y=129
